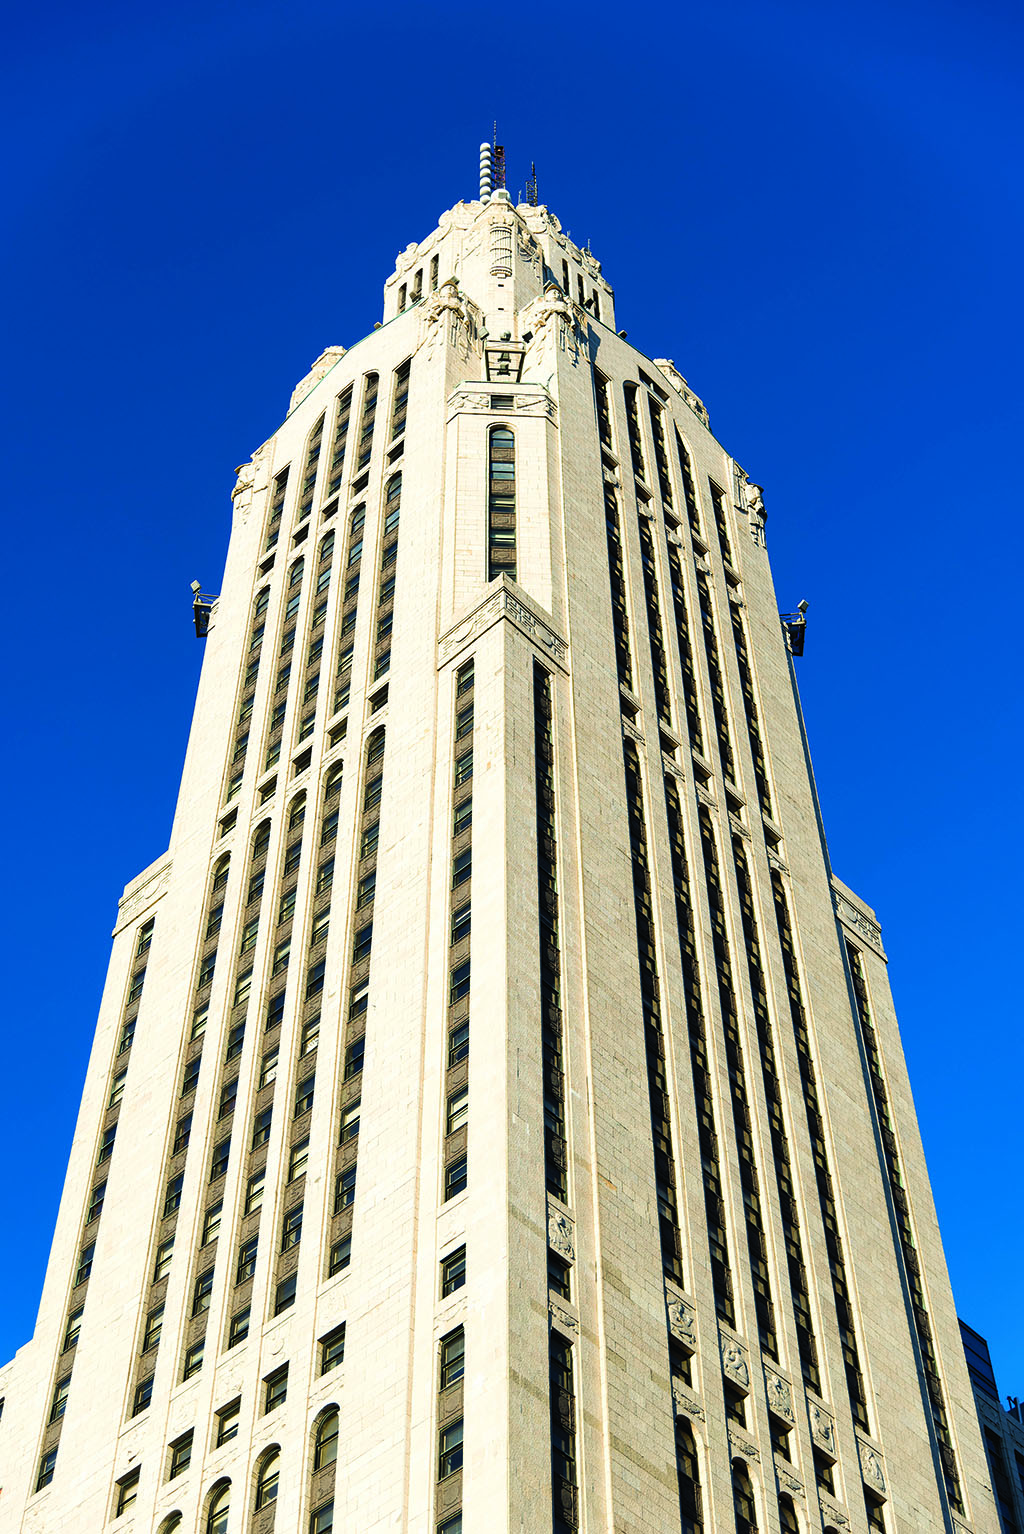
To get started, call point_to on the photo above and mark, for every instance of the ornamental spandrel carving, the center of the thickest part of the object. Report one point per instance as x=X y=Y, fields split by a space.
x=502 y=604
x=563 y=1318
x=823 y=1429
x=780 y=1396
x=685 y=1403
x=831 y=1511
x=678 y=382
x=321 y=367
x=788 y=1482
x=682 y=1323
x=147 y=894
x=252 y=480
x=849 y=915
x=561 y=1235
x=734 y=1363
x=739 y=1443
x=871 y=1468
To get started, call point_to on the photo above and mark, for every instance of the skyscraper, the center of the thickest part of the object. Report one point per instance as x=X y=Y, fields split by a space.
x=496 y=1118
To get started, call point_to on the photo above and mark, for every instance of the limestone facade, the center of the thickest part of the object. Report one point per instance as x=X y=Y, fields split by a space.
x=511 y=1129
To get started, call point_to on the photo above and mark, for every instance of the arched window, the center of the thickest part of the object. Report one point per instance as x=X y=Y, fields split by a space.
x=355 y=535
x=434 y=262
x=217 y=1508
x=295 y=573
x=297 y=812
x=743 y=1498
x=332 y=785
x=267 y=1477
x=220 y=872
x=170 y=1523
x=375 y=747
x=501 y=503
x=262 y=602
x=261 y=841
x=392 y=503
x=327 y=547
x=325 y=1441
x=787 y=1516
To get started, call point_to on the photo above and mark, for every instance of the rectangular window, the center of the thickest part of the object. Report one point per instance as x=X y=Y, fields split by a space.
x=459 y=982
x=206 y=969
x=154 y=1326
x=96 y=1202
x=341 y=1256
x=463 y=767
x=268 y=1066
x=350 y=1122
x=127 y=1035
x=291 y=1228
x=325 y=876
x=332 y=1349
x=194 y=1359
x=219 y=1162
x=228 y=1098
x=59 y=1401
x=46 y=1468
x=310 y=1035
x=239 y=1327
x=558 y=1275
x=254 y=1191
x=345 y=1190
x=138 y=981
x=172 y=1197
x=321 y=1520
x=143 y=1396
x=451 y=1525
x=261 y=1128
x=370 y=838
x=127 y=1491
x=211 y=1223
x=284 y=1295
x=463 y=817
x=73 y=1329
x=354 y=1057
x=107 y=1145
x=162 y=1266
x=456 y=1177
x=275 y=1011
x=117 y=1087
x=453 y=1271
x=227 y=1421
x=453 y=1358
x=458 y=1043
x=182 y=1134
x=275 y=1388
x=247 y=1259
x=191 y=1074
x=461 y=922
x=200 y=1018
x=281 y=955
x=298 y=1160
x=318 y=931
x=315 y=978
x=181 y=1455
x=242 y=988
x=201 y=1293
x=449 y=1457
x=462 y=867
x=458 y=1111
x=464 y=722
x=304 y=1096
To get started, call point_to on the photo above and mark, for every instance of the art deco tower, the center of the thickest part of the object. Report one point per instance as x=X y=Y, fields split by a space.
x=497 y=1120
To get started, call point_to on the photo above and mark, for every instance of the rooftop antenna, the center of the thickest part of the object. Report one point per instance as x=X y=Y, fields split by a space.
x=499 y=160
x=486 y=178
x=531 y=186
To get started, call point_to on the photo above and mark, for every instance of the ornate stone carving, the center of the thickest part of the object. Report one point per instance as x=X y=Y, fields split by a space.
x=680 y=385
x=563 y=1318
x=850 y=916
x=734 y=1362
x=739 y=1443
x=788 y=1482
x=503 y=604
x=780 y=1396
x=682 y=1323
x=561 y=1235
x=686 y=1403
x=321 y=367
x=251 y=481
x=871 y=1468
x=832 y=1512
x=706 y=797
x=632 y=731
x=823 y=1429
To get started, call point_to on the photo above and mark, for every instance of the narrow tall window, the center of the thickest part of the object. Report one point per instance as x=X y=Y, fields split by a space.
x=501 y=503
x=562 y=1396
x=310 y=471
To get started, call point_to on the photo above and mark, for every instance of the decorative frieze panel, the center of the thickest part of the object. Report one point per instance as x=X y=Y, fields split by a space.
x=859 y=923
x=779 y=1394
x=682 y=1323
x=143 y=896
x=823 y=1429
x=561 y=1233
x=503 y=603
x=734 y=1362
x=871 y=1468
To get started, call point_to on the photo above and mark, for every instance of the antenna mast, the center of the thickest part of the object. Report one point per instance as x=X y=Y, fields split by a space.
x=531 y=186
x=499 y=160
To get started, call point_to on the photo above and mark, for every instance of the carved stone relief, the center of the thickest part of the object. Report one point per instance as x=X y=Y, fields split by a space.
x=686 y=1403
x=682 y=1323
x=780 y=1396
x=502 y=604
x=823 y=1429
x=561 y=1236
x=321 y=367
x=863 y=925
x=739 y=1443
x=734 y=1363
x=563 y=1318
x=832 y=1512
x=680 y=385
x=788 y=1482
x=155 y=886
x=871 y=1469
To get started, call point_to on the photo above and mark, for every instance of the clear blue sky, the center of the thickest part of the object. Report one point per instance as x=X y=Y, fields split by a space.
x=815 y=210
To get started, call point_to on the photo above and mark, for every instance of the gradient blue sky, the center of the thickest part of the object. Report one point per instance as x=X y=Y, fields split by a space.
x=816 y=211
